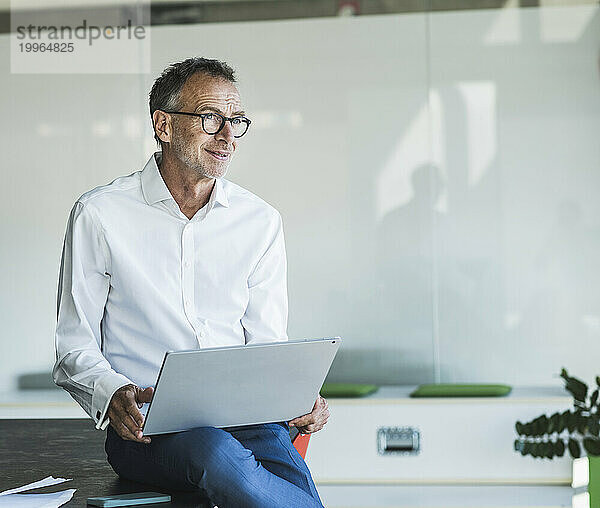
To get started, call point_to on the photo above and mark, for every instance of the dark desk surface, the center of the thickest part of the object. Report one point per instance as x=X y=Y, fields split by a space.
x=31 y=450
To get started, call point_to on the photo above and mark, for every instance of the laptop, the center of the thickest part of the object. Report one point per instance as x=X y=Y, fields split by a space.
x=239 y=385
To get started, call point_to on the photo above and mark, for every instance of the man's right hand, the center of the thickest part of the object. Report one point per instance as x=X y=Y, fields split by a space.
x=124 y=413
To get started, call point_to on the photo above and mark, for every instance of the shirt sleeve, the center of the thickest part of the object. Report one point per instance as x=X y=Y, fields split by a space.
x=83 y=286
x=265 y=319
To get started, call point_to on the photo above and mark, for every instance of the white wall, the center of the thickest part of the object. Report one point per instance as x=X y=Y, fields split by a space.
x=438 y=176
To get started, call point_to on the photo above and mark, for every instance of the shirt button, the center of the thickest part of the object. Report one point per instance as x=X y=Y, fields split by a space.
x=186 y=264
x=200 y=333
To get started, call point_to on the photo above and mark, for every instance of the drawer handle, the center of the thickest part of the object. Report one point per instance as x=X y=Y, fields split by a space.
x=398 y=441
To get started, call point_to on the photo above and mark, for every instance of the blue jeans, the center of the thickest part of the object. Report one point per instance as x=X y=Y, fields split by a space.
x=255 y=466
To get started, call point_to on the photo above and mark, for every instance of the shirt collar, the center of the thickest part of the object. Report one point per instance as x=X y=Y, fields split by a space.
x=219 y=194
x=155 y=189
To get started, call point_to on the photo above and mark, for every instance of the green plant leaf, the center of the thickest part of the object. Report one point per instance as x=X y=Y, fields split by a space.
x=594 y=398
x=526 y=449
x=598 y=380
x=562 y=421
x=553 y=423
x=549 y=450
x=543 y=424
x=559 y=448
x=592 y=445
x=575 y=386
x=582 y=422
x=543 y=448
x=519 y=428
x=574 y=448
x=571 y=421
x=537 y=427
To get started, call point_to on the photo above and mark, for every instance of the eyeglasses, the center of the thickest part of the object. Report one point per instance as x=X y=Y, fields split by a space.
x=214 y=122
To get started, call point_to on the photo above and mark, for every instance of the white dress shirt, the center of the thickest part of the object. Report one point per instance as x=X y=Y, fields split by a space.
x=138 y=278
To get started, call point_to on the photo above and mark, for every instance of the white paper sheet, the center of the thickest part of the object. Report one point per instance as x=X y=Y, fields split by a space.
x=53 y=500
x=11 y=499
x=49 y=480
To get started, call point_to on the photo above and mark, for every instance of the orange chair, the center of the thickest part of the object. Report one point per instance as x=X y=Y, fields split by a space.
x=300 y=441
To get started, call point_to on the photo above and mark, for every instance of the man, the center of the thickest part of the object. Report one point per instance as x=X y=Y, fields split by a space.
x=175 y=257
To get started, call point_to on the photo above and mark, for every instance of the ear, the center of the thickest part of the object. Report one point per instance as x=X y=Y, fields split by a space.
x=162 y=125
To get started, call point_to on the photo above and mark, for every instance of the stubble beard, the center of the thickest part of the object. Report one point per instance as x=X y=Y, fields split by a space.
x=191 y=158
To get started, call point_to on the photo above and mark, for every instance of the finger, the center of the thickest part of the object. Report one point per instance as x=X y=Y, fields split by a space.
x=124 y=432
x=145 y=395
x=125 y=395
x=324 y=409
x=137 y=429
x=126 y=420
x=133 y=411
x=323 y=406
x=299 y=421
x=132 y=418
x=126 y=414
x=120 y=417
x=307 y=418
x=322 y=418
x=309 y=429
x=135 y=421
x=127 y=433
x=137 y=437
x=303 y=420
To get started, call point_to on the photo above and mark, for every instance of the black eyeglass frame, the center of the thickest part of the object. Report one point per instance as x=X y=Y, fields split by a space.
x=224 y=119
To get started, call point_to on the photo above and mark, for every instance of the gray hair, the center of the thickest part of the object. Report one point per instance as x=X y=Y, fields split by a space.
x=166 y=89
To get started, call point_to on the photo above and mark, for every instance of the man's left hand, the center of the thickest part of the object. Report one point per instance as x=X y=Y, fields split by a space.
x=313 y=421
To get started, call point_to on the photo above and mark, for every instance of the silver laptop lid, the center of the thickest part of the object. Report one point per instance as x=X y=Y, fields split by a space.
x=239 y=385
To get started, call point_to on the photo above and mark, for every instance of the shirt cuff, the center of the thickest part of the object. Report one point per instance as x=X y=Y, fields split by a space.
x=104 y=389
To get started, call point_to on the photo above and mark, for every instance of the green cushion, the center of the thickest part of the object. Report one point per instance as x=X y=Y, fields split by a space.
x=461 y=390
x=338 y=390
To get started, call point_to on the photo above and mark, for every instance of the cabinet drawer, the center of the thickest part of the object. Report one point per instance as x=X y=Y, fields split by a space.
x=403 y=440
